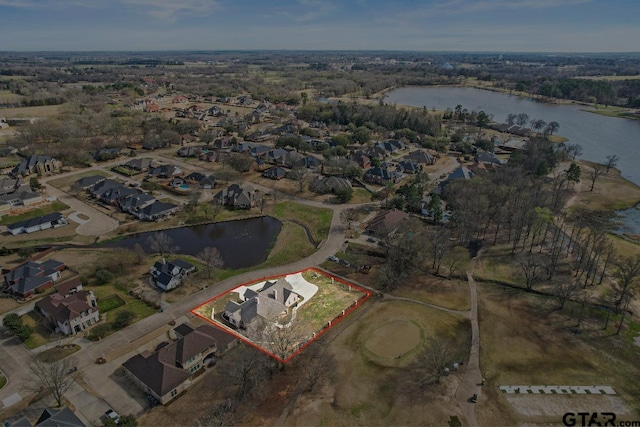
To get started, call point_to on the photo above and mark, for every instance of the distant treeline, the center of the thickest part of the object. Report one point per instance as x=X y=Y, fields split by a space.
x=387 y=117
x=34 y=102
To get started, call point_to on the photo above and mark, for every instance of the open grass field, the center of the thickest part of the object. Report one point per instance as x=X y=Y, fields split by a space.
x=448 y=293
x=24 y=112
x=368 y=389
x=611 y=191
x=526 y=341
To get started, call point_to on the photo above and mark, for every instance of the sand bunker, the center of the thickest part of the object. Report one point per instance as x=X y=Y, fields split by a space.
x=394 y=339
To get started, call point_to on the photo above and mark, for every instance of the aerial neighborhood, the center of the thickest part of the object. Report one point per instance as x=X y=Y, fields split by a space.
x=273 y=239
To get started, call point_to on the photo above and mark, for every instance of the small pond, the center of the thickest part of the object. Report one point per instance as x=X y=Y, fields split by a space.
x=242 y=243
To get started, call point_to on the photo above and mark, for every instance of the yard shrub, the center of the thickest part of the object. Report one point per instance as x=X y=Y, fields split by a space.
x=103 y=277
x=14 y=323
x=99 y=331
x=123 y=319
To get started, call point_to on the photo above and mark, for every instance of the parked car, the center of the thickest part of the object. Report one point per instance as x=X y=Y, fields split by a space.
x=474 y=398
x=113 y=415
x=345 y=262
x=333 y=258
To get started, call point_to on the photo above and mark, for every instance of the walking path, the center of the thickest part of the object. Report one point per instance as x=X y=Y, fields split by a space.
x=471 y=381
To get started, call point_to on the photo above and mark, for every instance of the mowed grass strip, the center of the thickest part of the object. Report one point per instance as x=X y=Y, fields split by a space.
x=110 y=303
x=317 y=219
x=56 y=206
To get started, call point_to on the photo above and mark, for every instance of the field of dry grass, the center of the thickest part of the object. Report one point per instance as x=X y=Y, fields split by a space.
x=525 y=341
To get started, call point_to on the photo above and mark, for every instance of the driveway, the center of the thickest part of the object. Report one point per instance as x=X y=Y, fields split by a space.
x=98 y=223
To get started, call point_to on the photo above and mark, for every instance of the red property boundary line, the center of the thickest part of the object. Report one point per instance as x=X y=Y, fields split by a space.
x=219 y=325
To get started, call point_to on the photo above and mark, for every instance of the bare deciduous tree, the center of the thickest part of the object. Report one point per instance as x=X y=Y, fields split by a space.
x=318 y=366
x=211 y=259
x=348 y=216
x=55 y=377
x=627 y=277
x=595 y=172
x=564 y=290
x=139 y=253
x=161 y=243
x=612 y=162
x=533 y=269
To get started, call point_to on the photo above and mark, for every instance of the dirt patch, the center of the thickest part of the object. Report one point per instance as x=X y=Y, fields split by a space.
x=394 y=339
x=551 y=408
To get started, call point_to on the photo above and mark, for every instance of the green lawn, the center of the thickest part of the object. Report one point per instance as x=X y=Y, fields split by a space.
x=58 y=352
x=56 y=206
x=40 y=335
x=110 y=303
x=317 y=219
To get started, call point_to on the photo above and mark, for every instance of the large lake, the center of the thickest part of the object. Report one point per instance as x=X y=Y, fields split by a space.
x=242 y=243
x=599 y=136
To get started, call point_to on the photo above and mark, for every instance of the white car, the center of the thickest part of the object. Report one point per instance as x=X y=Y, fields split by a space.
x=111 y=414
x=333 y=258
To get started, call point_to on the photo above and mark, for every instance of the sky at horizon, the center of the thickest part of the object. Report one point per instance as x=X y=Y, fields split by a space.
x=407 y=25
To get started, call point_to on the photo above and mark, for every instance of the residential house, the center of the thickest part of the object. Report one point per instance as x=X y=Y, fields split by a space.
x=133 y=203
x=89 y=181
x=386 y=222
x=310 y=162
x=361 y=159
x=35 y=164
x=104 y=154
x=488 y=158
x=72 y=313
x=165 y=171
x=31 y=277
x=224 y=142
x=215 y=156
x=53 y=220
x=103 y=186
x=50 y=418
x=22 y=197
x=169 y=275
x=275 y=173
x=270 y=303
x=10 y=185
x=329 y=184
x=408 y=166
x=379 y=175
x=421 y=157
x=113 y=195
x=172 y=367
x=461 y=172
x=69 y=287
x=236 y=197
x=140 y=164
x=156 y=211
x=189 y=151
